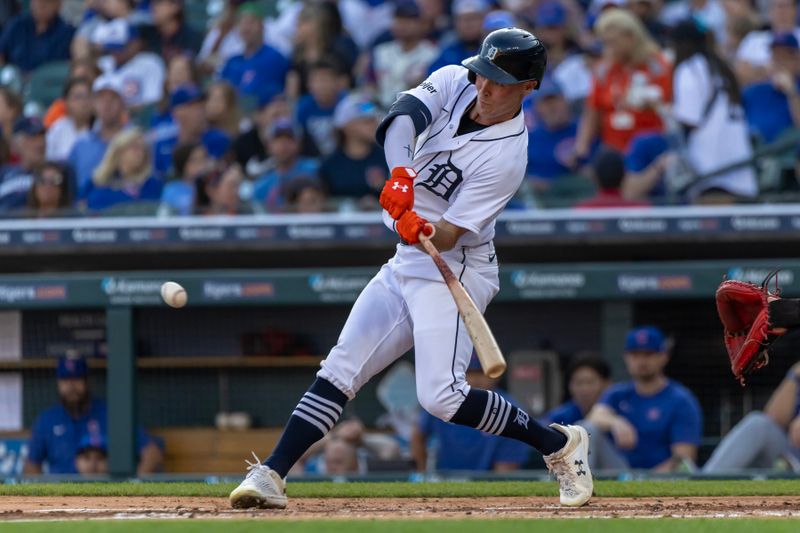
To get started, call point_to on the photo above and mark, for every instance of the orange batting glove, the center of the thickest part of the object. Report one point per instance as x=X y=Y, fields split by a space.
x=410 y=224
x=397 y=196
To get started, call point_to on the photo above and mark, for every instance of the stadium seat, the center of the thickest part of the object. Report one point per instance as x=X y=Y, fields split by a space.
x=46 y=83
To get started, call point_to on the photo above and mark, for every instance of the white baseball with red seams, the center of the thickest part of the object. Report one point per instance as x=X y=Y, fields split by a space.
x=173 y=294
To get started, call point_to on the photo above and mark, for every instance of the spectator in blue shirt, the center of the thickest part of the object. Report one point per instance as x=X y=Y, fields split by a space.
x=125 y=175
x=587 y=378
x=90 y=147
x=190 y=162
x=58 y=432
x=315 y=110
x=468 y=24
x=466 y=448
x=260 y=69
x=35 y=38
x=651 y=422
x=188 y=109
x=552 y=139
x=357 y=169
x=17 y=180
x=773 y=106
x=284 y=165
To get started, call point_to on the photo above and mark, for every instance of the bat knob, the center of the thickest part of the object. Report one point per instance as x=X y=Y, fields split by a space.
x=422 y=235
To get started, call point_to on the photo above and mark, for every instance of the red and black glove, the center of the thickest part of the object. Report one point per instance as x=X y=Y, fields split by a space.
x=397 y=196
x=753 y=318
x=409 y=225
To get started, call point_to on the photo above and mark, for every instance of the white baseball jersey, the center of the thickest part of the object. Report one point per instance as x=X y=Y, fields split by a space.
x=465 y=179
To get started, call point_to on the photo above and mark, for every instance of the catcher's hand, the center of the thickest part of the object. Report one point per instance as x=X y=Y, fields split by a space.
x=753 y=318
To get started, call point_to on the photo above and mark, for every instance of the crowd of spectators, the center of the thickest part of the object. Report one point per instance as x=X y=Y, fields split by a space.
x=172 y=107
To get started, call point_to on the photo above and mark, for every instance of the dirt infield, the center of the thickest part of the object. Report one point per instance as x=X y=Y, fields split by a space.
x=71 y=507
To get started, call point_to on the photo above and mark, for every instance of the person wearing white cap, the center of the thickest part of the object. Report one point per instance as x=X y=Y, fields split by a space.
x=141 y=73
x=754 y=55
x=357 y=168
x=468 y=24
x=109 y=111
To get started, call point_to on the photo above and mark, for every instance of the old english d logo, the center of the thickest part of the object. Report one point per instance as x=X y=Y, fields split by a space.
x=491 y=53
x=444 y=179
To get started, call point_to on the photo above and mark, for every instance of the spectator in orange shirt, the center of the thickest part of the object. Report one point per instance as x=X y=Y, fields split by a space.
x=632 y=81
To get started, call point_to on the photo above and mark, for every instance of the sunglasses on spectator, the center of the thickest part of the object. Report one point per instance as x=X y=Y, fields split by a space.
x=50 y=179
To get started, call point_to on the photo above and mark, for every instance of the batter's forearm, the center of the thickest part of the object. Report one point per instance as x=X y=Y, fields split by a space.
x=399 y=144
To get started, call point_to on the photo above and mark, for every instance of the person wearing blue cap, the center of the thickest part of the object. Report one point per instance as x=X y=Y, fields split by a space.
x=259 y=68
x=187 y=105
x=650 y=422
x=552 y=137
x=17 y=179
x=462 y=448
x=91 y=458
x=58 y=433
x=286 y=165
x=772 y=107
x=141 y=73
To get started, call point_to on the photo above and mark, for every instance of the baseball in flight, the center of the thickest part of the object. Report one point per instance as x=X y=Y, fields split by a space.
x=173 y=294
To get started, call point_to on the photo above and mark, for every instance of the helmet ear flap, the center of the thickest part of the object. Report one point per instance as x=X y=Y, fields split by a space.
x=471 y=76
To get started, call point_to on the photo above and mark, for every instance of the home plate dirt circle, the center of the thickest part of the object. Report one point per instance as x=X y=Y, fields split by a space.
x=72 y=507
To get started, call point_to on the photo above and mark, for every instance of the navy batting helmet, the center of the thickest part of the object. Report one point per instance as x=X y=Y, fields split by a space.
x=509 y=56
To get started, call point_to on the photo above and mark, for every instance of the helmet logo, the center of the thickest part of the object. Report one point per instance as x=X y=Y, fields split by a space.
x=491 y=53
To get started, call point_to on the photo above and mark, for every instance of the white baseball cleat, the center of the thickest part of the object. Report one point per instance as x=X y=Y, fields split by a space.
x=570 y=465
x=262 y=488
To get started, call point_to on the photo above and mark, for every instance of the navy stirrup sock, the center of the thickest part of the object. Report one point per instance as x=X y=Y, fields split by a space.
x=312 y=419
x=489 y=412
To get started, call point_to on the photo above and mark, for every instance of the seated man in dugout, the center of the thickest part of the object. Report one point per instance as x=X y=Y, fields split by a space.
x=649 y=423
x=57 y=432
x=767 y=439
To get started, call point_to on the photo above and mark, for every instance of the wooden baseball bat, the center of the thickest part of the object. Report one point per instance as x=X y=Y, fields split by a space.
x=489 y=354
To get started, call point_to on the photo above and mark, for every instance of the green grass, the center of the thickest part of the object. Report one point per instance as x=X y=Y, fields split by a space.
x=409 y=490
x=435 y=526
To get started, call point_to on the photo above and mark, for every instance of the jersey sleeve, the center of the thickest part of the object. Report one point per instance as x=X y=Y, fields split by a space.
x=423 y=103
x=687 y=425
x=37 y=446
x=485 y=193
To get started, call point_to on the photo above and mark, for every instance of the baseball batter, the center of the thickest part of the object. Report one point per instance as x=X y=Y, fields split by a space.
x=457 y=147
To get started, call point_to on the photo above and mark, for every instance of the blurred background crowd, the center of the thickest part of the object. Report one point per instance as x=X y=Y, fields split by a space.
x=178 y=107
